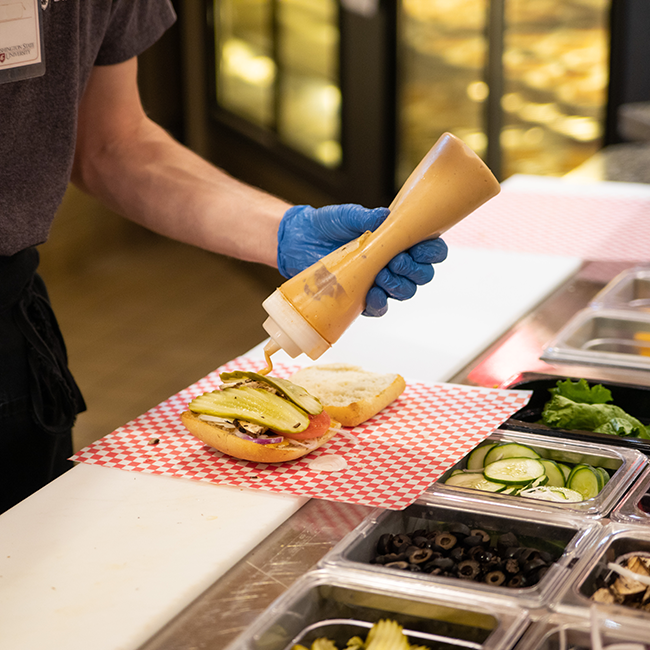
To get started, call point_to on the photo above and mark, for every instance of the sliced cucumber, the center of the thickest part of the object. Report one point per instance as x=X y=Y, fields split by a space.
x=581 y=466
x=509 y=450
x=553 y=472
x=566 y=470
x=605 y=474
x=553 y=493
x=512 y=489
x=585 y=479
x=476 y=457
x=474 y=481
x=514 y=470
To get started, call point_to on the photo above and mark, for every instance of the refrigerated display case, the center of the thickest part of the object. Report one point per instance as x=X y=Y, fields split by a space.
x=537 y=70
x=328 y=100
x=277 y=67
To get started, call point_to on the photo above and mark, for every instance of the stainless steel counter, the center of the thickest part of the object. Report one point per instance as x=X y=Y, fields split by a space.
x=218 y=616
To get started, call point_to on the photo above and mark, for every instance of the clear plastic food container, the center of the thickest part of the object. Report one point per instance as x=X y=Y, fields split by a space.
x=628 y=290
x=562 y=632
x=596 y=583
x=622 y=466
x=526 y=557
x=635 y=506
x=339 y=606
x=607 y=337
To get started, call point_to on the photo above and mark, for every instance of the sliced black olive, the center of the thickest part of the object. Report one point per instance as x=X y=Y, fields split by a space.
x=533 y=565
x=420 y=555
x=516 y=581
x=479 y=532
x=512 y=566
x=547 y=557
x=507 y=540
x=445 y=541
x=421 y=542
x=527 y=554
x=444 y=563
x=410 y=549
x=468 y=569
x=394 y=557
x=511 y=551
x=398 y=565
x=494 y=564
x=414 y=568
x=536 y=576
x=472 y=540
x=495 y=578
x=383 y=545
x=480 y=554
x=400 y=542
x=432 y=570
x=457 y=553
x=459 y=530
x=420 y=532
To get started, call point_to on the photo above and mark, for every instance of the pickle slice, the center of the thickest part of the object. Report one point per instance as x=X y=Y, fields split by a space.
x=253 y=405
x=297 y=394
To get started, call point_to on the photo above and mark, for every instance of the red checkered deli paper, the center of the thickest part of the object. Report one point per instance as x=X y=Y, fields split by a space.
x=391 y=459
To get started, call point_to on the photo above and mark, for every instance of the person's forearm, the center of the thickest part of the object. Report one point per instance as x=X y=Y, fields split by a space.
x=155 y=181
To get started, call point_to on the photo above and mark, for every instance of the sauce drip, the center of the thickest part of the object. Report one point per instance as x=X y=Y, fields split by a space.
x=270 y=348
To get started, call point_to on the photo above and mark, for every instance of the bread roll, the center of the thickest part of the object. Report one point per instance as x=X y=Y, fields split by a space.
x=349 y=394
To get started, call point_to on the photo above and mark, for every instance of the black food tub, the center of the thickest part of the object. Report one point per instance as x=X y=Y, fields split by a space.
x=633 y=399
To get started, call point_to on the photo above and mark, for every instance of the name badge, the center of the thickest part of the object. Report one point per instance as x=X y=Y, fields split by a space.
x=21 y=40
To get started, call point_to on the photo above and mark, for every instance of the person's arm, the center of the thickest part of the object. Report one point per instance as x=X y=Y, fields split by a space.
x=137 y=169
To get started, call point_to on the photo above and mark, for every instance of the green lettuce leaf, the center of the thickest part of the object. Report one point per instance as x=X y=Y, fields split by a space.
x=564 y=413
x=581 y=392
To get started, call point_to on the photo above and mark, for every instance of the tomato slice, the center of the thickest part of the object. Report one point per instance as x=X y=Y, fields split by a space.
x=318 y=425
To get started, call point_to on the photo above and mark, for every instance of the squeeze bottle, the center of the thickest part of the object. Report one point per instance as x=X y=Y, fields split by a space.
x=309 y=312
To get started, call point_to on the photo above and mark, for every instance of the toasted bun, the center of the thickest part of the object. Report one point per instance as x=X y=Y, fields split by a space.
x=228 y=443
x=350 y=394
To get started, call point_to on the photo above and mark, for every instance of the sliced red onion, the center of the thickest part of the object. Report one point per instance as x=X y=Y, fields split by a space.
x=222 y=422
x=260 y=441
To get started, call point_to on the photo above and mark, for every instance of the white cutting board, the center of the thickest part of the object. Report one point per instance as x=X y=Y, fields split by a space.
x=102 y=558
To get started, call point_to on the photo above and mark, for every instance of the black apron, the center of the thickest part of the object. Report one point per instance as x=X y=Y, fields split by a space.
x=39 y=398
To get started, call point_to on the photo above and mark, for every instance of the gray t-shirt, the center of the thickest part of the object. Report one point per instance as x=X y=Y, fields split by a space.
x=38 y=117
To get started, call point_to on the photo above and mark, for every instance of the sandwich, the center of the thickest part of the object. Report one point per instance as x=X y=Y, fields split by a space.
x=259 y=418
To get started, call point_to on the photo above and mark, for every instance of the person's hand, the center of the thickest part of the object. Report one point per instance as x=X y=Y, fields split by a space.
x=306 y=234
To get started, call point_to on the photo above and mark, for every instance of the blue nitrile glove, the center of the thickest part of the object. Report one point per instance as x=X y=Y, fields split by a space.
x=306 y=234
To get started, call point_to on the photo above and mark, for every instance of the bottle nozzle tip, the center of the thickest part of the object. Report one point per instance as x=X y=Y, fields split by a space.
x=272 y=347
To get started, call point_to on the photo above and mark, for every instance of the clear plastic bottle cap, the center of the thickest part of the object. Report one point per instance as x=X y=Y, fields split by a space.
x=290 y=330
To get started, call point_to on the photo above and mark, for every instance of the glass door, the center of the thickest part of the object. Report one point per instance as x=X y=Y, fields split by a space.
x=556 y=75
x=441 y=76
x=523 y=82
x=277 y=67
